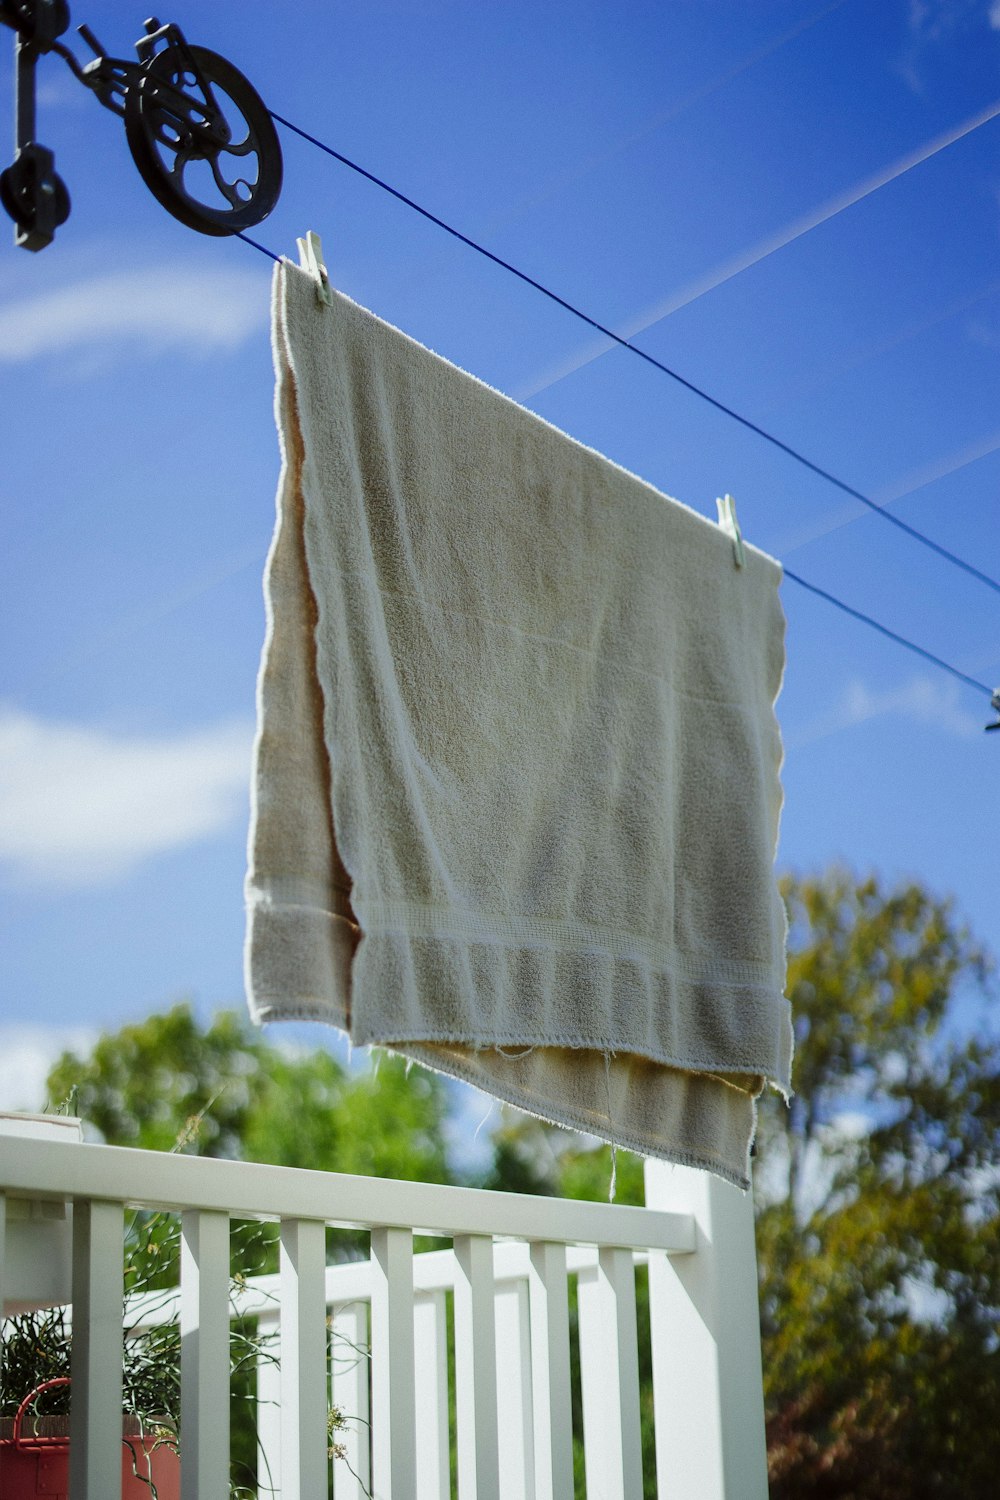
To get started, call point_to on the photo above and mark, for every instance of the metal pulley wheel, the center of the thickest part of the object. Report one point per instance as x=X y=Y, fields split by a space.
x=203 y=140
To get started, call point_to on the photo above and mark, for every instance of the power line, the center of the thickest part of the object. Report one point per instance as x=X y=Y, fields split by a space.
x=624 y=343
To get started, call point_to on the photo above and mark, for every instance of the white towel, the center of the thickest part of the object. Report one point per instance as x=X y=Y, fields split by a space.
x=516 y=787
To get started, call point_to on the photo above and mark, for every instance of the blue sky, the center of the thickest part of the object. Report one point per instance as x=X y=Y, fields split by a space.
x=688 y=169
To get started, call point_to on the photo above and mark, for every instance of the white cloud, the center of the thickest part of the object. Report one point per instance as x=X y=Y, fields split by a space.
x=153 y=310
x=27 y=1054
x=926 y=700
x=79 y=807
x=933 y=21
x=933 y=25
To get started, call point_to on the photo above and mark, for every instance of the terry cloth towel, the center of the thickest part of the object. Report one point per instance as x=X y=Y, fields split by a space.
x=516 y=786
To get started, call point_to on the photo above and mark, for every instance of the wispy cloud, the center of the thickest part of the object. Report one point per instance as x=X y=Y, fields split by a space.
x=654 y=122
x=27 y=1054
x=933 y=24
x=924 y=700
x=156 y=310
x=908 y=484
x=80 y=807
x=788 y=233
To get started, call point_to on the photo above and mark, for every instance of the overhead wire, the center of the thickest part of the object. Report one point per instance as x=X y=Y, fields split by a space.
x=242 y=235
x=781 y=238
x=893 y=635
x=695 y=390
x=624 y=343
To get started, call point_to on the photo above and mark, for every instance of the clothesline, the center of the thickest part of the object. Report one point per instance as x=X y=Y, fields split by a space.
x=794 y=453
x=840 y=604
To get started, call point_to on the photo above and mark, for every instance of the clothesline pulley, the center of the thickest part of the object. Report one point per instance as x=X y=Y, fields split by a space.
x=199 y=133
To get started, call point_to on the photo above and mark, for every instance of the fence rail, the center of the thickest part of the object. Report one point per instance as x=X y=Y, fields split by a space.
x=379 y=1337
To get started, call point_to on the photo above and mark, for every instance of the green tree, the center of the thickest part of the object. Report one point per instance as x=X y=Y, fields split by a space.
x=168 y=1083
x=878 y=1210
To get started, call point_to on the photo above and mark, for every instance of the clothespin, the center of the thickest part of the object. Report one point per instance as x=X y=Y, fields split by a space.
x=995 y=704
x=730 y=525
x=311 y=260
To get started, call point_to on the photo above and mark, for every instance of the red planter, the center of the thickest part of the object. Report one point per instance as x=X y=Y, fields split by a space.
x=35 y=1465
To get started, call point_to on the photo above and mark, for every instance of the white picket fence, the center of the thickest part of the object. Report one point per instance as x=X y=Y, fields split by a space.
x=372 y=1336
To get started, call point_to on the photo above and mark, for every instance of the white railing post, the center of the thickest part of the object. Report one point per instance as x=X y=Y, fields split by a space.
x=609 y=1377
x=304 y=1459
x=550 y=1380
x=515 y=1407
x=475 y=1368
x=204 y=1355
x=707 y=1388
x=430 y=1317
x=268 y=1408
x=95 y=1421
x=394 y=1431
x=349 y=1367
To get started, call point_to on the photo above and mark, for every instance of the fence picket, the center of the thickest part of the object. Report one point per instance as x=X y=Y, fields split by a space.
x=609 y=1369
x=349 y=1371
x=433 y=1457
x=394 y=1437
x=204 y=1316
x=475 y=1368
x=550 y=1384
x=268 y=1408
x=95 y=1431
x=304 y=1459
x=515 y=1411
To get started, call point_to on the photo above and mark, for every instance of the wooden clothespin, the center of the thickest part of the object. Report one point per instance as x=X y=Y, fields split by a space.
x=730 y=525
x=311 y=260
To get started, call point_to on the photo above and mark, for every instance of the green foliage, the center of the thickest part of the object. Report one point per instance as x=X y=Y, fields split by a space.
x=147 y=1084
x=168 y=1083
x=532 y=1157
x=878 y=1209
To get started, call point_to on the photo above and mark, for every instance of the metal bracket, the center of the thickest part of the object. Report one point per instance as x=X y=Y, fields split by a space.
x=31 y=190
x=170 y=102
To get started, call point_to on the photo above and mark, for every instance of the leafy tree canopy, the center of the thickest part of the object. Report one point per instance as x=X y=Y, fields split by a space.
x=169 y=1083
x=878 y=1203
